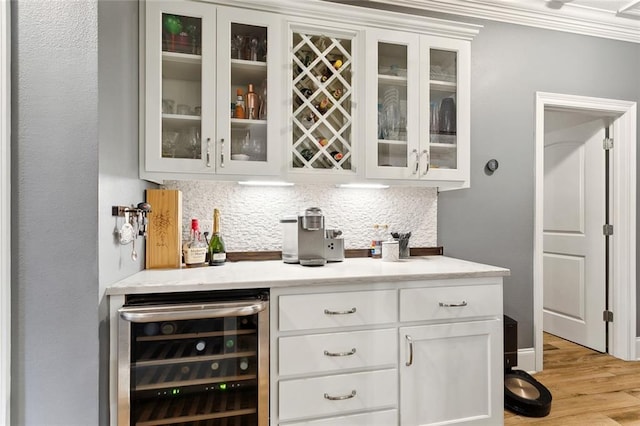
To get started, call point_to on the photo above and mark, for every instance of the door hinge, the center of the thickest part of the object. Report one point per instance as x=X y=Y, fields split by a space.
x=607 y=316
x=607 y=143
x=607 y=229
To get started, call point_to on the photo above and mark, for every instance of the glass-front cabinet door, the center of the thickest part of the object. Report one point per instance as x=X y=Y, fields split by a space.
x=419 y=102
x=322 y=97
x=180 y=50
x=393 y=132
x=206 y=81
x=247 y=141
x=447 y=84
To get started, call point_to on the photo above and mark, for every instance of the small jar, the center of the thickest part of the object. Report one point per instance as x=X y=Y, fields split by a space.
x=390 y=251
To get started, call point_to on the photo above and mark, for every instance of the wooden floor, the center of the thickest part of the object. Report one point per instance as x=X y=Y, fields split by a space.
x=588 y=388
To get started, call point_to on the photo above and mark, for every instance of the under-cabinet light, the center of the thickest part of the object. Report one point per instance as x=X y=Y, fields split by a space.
x=264 y=183
x=363 y=185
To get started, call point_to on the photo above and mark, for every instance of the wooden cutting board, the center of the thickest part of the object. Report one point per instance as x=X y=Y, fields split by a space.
x=164 y=234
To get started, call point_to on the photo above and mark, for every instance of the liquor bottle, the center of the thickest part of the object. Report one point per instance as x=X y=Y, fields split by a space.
x=195 y=251
x=217 y=252
x=337 y=155
x=239 y=112
x=253 y=104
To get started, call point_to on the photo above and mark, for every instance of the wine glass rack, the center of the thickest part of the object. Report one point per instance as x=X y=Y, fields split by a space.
x=322 y=92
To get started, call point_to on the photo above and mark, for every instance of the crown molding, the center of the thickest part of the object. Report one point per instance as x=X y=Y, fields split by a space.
x=623 y=25
x=337 y=12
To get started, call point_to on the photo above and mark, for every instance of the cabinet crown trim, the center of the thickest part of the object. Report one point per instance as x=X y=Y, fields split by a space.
x=335 y=12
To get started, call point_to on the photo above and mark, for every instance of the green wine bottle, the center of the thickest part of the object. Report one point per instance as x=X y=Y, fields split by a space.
x=217 y=252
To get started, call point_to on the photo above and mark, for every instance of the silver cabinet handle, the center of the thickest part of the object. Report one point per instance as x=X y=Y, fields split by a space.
x=208 y=152
x=453 y=305
x=428 y=166
x=410 y=341
x=350 y=311
x=222 y=153
x=351 y=352
x=341 y=397
x=415 y=170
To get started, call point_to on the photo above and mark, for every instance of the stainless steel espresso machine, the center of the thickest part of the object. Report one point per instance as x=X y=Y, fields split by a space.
x=304 y=238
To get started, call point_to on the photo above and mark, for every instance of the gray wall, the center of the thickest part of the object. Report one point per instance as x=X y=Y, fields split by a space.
x=75 y=138
x=118 y=182
x=492 y=222
x=54 y=213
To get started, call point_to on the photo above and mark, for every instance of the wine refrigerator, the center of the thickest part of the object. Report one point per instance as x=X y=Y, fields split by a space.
x=197 y=359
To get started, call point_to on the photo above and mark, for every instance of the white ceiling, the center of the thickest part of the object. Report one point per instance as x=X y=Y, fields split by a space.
x=615 y=19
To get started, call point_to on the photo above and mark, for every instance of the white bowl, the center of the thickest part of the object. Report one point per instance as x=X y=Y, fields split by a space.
x=240 y=157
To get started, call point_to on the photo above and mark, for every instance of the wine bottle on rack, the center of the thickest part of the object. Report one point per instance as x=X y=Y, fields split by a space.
x=217 y=252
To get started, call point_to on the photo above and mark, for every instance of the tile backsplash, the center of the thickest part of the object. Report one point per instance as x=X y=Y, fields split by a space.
x=250 y=216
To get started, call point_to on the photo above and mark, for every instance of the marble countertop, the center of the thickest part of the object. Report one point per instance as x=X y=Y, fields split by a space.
x=271 y=274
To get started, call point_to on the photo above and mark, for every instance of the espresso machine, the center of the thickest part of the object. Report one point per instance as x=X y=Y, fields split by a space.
x=304 y=238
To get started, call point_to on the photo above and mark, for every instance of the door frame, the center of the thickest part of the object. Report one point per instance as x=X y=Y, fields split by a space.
x=622 y=334
x=5 y=211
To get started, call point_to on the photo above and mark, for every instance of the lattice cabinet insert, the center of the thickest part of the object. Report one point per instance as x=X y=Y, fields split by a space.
x=322 y=107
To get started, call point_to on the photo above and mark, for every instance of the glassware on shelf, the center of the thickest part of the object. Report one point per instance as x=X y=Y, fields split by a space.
x=262 y=114
x=236 y=45
x=391 y=111
x=169 y=139
x=434 y=117
x=447 y=116
x=168 y=106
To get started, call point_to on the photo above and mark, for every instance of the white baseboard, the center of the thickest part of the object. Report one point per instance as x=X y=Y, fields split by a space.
x=527 y=360
x=638 y=348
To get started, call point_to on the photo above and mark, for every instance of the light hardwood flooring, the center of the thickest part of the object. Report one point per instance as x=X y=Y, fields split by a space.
x=588 y=388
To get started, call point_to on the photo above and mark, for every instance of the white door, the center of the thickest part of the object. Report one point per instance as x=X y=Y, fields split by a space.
x=574 y=215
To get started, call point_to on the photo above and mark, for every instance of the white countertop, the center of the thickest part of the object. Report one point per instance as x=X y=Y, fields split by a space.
x=272 y=273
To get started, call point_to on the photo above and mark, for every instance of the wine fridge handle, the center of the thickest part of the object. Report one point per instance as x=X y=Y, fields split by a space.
x=417 y=163
x=191 y=311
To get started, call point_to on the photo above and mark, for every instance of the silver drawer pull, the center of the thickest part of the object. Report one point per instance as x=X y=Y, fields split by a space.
x=410 y=341
x=453 y=305
x=340 y=398
x=351 y=352
x=350 y=311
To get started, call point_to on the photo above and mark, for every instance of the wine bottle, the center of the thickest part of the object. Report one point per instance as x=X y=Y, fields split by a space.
x=217 y=252
x=244 y=363
x=195 y=251
x=253 y=104
x=337 y=155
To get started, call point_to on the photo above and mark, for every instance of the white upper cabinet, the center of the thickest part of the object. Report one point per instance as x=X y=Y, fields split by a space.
x=199 y=59
x=418 y=97
x=323 y=89
x=337 y=94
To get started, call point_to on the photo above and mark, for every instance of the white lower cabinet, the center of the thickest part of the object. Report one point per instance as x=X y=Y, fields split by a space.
x=448 y=373
x=409 y=353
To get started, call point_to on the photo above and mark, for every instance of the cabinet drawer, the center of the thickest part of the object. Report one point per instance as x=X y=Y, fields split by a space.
x=335 y=395
x=386 y=418
x=436 y=303
x=335 y=351
x=313 y=311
